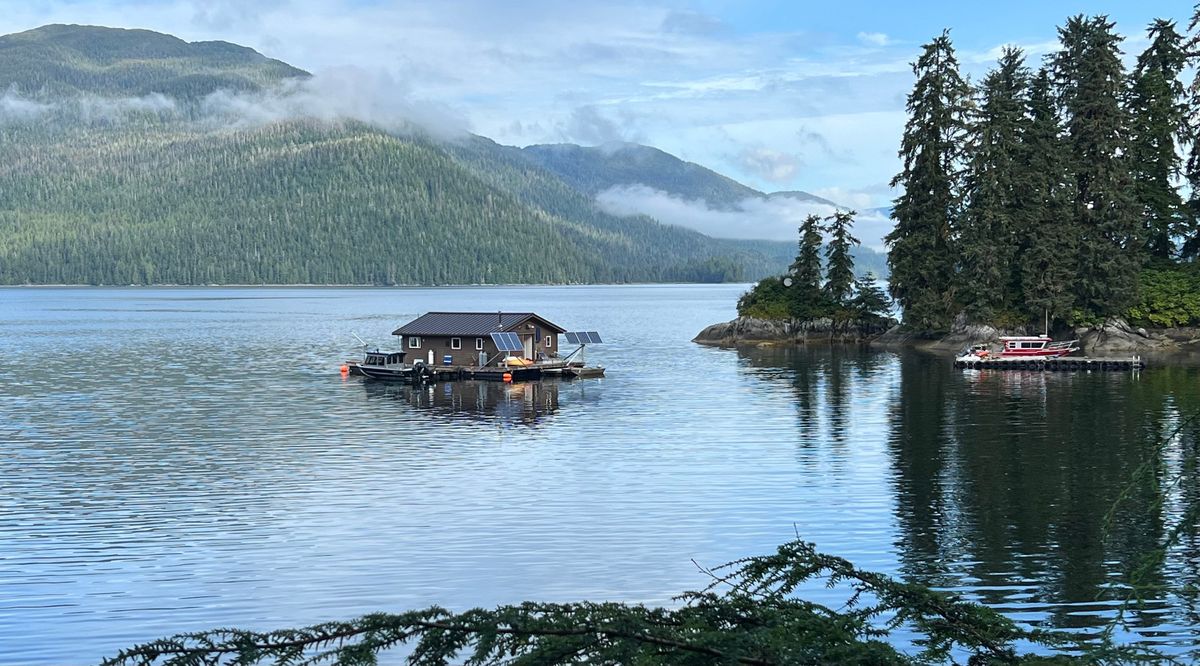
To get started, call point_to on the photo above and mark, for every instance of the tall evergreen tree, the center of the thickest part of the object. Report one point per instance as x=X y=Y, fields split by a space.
x=1047 y=260
x=839 y=263
x=1157 y=115
x=1191 y=234
x=921 y=255
x=1090 y=79
x=805 y=292
x=869 y=300
x=997 y=188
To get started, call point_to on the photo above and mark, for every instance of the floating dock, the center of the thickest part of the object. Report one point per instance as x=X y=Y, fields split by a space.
x=516 y=373
x=1058 y=364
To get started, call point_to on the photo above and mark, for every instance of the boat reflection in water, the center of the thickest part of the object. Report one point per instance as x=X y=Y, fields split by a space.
x=524 y=402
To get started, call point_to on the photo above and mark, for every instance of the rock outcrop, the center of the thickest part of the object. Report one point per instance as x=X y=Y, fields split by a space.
x=1116 y=335
x=752 y=331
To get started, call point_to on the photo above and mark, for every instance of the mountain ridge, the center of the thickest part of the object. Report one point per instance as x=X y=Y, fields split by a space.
x=159 y=198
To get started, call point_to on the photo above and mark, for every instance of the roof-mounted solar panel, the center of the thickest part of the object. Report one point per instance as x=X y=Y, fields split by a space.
x=507 y=342
x=592 y=337
x=572 y=338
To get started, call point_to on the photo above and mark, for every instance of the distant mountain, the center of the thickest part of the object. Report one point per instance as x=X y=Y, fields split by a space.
x=64 y=59
x=172 y=198
x=801 y=196
x=593 y=170
x=90 y=196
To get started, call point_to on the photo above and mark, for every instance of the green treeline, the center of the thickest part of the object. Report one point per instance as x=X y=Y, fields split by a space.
x=162 y=201
x=1050 y=190
x=816 y=288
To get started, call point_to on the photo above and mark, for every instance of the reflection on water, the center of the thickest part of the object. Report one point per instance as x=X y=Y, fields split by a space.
x=525 y=403
x=178 y=459
x=1003 y=480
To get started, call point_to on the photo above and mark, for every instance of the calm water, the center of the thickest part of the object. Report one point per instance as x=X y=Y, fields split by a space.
x=179 y=459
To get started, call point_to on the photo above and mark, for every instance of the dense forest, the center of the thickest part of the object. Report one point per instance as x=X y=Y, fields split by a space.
x=1052 y=190
x=115 y=171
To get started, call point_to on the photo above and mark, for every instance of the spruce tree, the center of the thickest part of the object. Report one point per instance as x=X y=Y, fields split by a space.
x=921 y=256
x=804 y=294
x=869 y=300
x=1090 y=79
x=839 y=263
x=1157 y=116
x=1191 y=231
x=996 y=189
x=1047 y=260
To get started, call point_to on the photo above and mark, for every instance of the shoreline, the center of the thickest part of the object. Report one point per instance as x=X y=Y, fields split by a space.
x=1113 y=337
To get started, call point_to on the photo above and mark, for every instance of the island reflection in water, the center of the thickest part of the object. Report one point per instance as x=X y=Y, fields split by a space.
x=1003 y=480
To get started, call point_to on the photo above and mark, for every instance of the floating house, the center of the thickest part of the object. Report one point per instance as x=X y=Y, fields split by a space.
x=465 y=338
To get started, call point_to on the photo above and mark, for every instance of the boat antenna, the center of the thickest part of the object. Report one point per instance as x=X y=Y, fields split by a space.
x=1046 y=331
x=364 y=342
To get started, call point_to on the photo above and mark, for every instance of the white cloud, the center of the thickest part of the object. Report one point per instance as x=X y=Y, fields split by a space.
x=768 y=219
x=770 y=165
x=13 y=107
x=344 y=93
x=874 y=38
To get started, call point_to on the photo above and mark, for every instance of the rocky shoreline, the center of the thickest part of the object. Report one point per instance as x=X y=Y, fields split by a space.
x=1115 y=337
x=769 y=332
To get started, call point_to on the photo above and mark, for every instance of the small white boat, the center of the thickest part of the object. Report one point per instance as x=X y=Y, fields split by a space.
x=1020 y=346
x=382 y=365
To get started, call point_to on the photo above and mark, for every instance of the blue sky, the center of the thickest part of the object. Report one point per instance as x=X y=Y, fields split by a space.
x=779 y=95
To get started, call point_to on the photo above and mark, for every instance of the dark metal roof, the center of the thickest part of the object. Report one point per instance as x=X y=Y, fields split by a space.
x=471 y=323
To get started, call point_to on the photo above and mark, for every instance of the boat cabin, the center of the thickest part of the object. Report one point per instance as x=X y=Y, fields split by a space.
x=465 y=338
x=1024 y=344
x=1036 y=345
x=384 y=358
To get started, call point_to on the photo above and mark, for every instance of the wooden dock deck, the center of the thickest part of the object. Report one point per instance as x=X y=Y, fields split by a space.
x=517 y=373
x=1059 y=364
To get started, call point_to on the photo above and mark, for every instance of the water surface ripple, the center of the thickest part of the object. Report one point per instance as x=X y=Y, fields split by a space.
x=179 y=459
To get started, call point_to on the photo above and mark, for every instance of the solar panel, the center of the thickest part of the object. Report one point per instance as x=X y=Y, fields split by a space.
x=572 y=338
x=507 y=342
x=592 y=337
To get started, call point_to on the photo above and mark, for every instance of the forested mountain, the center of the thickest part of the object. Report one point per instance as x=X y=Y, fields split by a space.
x=57 y=59
x=595 y=169
x=102 y=188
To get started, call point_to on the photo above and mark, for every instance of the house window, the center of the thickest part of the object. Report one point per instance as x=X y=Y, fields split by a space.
x=479 y=344
x=456 y=343
x=549 y=342
x=414 y=342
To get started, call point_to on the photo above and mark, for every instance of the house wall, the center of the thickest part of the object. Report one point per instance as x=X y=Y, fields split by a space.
x=468 y=355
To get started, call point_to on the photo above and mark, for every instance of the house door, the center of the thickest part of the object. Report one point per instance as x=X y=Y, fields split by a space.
x=431 y=357
x=528 y=340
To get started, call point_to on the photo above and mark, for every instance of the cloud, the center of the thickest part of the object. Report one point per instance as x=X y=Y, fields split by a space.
x=588 y=125
x=874 y=38
x=335 y=95
x=770 y=165
x=776 y=218
x=692 y=23
x=14 y=108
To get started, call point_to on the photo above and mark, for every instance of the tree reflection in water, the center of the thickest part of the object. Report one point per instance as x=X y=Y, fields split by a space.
x=1001 y=481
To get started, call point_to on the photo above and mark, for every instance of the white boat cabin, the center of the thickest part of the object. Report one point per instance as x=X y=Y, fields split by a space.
x=384 y=359
x=1024 y=343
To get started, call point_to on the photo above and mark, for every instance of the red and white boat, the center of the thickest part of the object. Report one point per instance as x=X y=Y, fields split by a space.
x=1041 y=346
